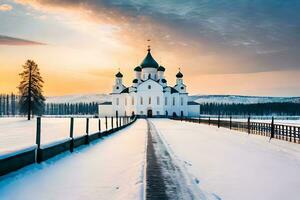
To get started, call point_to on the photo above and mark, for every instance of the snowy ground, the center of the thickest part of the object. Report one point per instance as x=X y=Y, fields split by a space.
x=16 y=133
x=233 y=165
x=112 y=168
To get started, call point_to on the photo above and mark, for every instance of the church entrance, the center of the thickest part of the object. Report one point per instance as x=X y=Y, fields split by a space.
x=149 y=113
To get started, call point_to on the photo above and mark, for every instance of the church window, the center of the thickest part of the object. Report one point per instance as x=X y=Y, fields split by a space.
x=149 y=76
x=154 y=76
x=132 y=101
x=157 y=99
x=149 y=100
x=181 y=101
x=117 y=101
x=173 y=101
x=166 y=101
x=149 y=87
x=141 y=100
x=117 y=87
x=182 y=88
x=125 y=101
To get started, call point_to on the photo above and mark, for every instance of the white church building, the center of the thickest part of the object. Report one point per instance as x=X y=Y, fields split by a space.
x=149 y=95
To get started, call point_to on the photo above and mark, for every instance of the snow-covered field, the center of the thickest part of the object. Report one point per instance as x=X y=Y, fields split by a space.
x=233 y=165
x=16 y=133
x=112 y=168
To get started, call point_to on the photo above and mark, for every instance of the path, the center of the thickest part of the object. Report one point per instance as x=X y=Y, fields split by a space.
x=165 y=178
x=107 y=169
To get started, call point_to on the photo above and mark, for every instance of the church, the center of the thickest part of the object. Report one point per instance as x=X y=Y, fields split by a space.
x=149 y=95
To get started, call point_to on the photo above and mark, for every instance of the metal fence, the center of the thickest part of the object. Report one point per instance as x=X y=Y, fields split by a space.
x=271 y=130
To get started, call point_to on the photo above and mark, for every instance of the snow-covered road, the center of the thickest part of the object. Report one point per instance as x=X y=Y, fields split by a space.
x=233 y=165
x=112 y=168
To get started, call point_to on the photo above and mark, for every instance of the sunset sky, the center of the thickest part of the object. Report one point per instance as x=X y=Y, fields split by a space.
x=246 y=47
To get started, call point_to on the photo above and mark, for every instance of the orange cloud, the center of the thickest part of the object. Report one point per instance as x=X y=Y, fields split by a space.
x=5 y=7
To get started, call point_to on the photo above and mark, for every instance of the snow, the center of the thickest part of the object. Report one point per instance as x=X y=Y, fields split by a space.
x=79 y=98
x=112 y=168
x=234 y=165
x=17 y=133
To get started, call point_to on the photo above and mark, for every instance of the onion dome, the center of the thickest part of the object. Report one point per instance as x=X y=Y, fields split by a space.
x=149 y=61
x=138 y=69
x=163 y=80
x=179 y=75
x=135 y=81
x=119 y=75
x=161 y=68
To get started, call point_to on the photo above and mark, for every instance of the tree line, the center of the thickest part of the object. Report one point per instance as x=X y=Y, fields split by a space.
x=284 y=108
x=10 y=106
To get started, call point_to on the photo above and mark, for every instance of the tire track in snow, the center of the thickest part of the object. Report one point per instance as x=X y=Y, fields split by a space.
x=164 y=178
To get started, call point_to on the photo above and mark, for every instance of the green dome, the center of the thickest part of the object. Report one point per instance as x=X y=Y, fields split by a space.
x=138 y=69
x=161 y=68
x=149 y=61
x=179 y=75
x=119 y=75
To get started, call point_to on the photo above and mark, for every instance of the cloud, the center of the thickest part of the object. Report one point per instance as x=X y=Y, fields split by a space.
x=237 y=32
x=5 y=7
x=6 y=40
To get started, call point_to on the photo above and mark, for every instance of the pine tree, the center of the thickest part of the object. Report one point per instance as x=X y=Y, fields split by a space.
x=30 y=88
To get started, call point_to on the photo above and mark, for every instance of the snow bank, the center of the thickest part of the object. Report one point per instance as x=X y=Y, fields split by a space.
x=16 y=133
x=233 y=165
x=107 y=169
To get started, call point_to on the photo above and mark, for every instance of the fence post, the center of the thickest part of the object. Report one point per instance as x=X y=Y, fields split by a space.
x=230 y=122
x=99 y=128
x=272 y=129
x=209 y=121
x=219 y=121
x=71 y=134
x=199 y=119
x=249 y=125
x=112 y=123
x=106 y=122
x=87 y=131
x=38 y=139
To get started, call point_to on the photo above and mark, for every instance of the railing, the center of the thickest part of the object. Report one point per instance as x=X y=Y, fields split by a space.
x=39 y=153
x=271 y=130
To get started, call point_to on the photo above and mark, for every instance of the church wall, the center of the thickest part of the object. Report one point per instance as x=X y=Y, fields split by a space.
x=105 y=111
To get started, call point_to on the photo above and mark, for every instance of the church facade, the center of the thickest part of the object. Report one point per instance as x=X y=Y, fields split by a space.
x=149 y=95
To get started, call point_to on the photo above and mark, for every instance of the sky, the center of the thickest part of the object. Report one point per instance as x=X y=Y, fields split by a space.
x=245 y=47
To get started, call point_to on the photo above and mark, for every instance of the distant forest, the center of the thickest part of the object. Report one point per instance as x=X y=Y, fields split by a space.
x=260 y=109
x=9 y=106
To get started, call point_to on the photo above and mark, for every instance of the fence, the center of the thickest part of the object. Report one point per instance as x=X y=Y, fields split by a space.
x=39 y=153
x=272 y=130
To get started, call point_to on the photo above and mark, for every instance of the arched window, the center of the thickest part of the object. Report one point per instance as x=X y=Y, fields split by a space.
x=157 y=100
x=125 y=101
x=173 y=101
x=117 y=101
x=149 y=87
x=181 y=101
x=149 y=100
x=132 y=100
x=166 y=101
x=141 y=101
